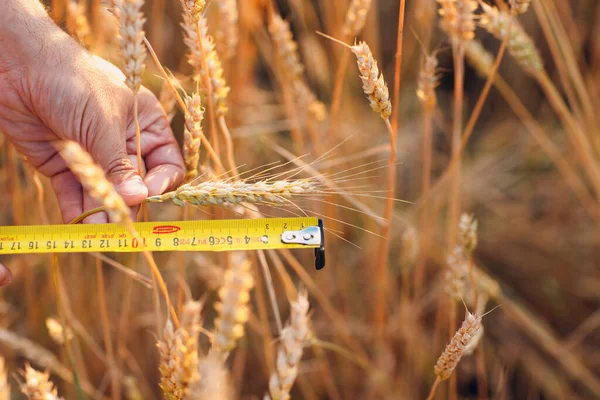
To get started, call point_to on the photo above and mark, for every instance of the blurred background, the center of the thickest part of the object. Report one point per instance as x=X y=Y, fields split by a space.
x=537 y=249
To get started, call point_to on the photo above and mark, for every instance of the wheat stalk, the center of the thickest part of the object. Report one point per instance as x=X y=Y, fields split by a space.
x=226 y=35
x=168 y=100
x=520 y=45
x=4 y=386
x=232 y=307
x=192 y=134
x=355 y=18
x=293 y=338
x=37 y=385
x=179 y=354
x=93 y=180
x=236 y=192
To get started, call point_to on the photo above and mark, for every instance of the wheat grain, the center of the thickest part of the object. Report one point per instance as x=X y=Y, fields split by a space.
x=355 y=18
x=458 y=19
x=232 y=307
x=520 y=6
x=428 y=81
x=454 y=351
x=235 y=192
x=37 y=385
x=179 y=354
x=56 y=331
x=374 y=85
x=520 y=45
x=226 y=35
x=192 y=134
x=4 y=386
x=93 y=180
x=131 y=34
x=220 y=90
x=289 y=352
x=467 y=232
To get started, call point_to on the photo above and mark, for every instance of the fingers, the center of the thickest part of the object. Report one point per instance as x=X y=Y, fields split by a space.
x=160 y=150
x=5 y=275
x=108 y=149
x=69 y=195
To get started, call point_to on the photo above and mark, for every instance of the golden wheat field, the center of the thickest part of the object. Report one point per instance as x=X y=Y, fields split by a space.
x=450 y=147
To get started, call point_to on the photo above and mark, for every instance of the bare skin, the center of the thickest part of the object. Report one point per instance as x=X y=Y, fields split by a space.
x=52 y=89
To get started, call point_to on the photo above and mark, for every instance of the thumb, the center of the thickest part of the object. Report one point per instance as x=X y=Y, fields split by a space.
x=108 y=149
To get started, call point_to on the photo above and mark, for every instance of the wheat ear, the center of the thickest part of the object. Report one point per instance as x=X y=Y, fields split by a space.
x=37 y=385
x=236 y=192
x=226 y=35
x=191 y=135
x=57 y=332
x=456 y=274
x=467 y=232
x=458 y=18
x=77 y=23
x=4 y=386
x=215 y=383
x=232 y=307
x=355 y=18
x=93 y=180
x=520 y=45
x=179 y=354
x=193 y=23
x=131 y=34
x=428 y=81
x=293 y=338
x=286 y=49
x=520 y=6
x=374 y=84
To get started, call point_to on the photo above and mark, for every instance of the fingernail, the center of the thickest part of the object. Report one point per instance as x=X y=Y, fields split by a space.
x=6 y=276
x=133 y=187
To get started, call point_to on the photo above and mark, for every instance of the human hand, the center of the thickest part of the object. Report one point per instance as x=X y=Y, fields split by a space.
x=52 y=89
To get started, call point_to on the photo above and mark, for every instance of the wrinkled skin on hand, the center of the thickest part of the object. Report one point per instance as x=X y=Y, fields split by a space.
x=54 y=90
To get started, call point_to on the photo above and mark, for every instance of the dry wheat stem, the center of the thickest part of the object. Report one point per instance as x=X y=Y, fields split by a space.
x=106 y=330
x=293 y=338
x=232 y=307
x=37 y=385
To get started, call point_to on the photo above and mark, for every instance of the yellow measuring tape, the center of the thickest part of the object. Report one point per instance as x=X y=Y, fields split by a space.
x=203 y=235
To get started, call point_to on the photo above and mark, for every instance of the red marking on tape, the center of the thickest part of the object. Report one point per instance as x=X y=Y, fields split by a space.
x=161 y=229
